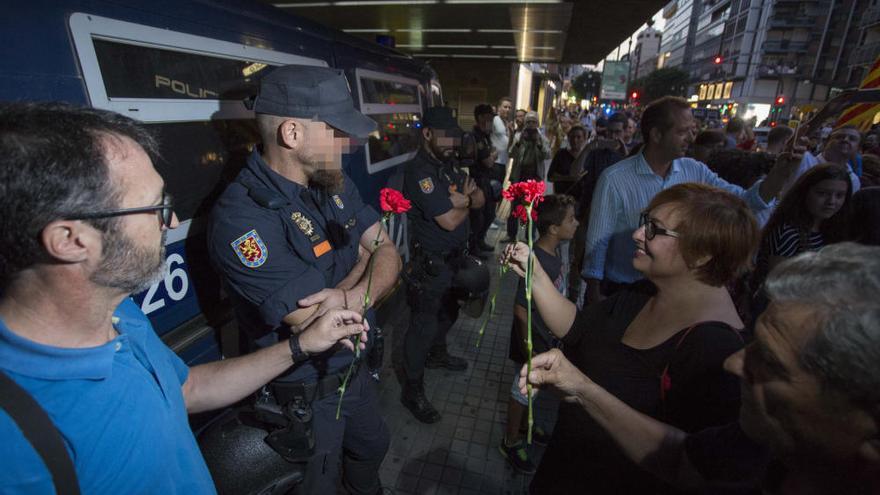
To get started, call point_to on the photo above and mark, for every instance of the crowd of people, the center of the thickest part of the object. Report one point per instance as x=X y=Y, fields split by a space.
x=708 y=311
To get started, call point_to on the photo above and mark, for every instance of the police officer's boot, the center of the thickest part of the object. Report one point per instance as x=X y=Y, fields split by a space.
x=414 y=398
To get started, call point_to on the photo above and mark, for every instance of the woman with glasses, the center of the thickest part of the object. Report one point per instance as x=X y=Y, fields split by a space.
x=659 y=346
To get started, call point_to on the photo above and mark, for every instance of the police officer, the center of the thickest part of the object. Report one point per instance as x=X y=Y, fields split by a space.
x=478 y=155
x=442 y=196
x=286 y=235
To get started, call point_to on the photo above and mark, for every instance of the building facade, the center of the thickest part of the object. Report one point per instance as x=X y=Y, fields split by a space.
x=771 y=58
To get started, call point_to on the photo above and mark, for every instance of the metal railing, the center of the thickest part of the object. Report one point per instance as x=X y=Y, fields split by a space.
x=775 y=71
x=785 y=46
x=778 y=22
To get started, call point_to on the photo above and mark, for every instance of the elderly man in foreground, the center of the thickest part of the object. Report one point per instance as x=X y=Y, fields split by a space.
x=810 y=391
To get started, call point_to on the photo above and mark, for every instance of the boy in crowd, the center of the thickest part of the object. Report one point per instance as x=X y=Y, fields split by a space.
x=556 y=223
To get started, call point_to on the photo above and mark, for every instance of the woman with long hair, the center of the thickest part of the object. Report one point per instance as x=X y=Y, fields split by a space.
x=659 y=346
x=815 y=212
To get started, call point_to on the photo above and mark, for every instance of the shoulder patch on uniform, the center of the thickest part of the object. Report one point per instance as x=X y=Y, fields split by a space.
x=251 y=249
x=338 y=201
x=426 y=185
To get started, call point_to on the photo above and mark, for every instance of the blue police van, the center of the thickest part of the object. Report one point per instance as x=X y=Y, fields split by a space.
x=185 y=68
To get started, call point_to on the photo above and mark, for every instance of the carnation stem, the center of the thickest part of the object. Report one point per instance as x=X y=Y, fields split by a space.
x=364 y=306
x=501 y=271
x=530 y=267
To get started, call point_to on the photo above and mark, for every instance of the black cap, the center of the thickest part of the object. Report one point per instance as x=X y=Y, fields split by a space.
x=602 y=121
x=308 y=92
x=440 y=118
x=483 y=109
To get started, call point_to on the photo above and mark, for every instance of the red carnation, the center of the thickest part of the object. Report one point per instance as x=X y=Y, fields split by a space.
x=519 y=212
x=392 y=201
x=532 y=190
x=528 y=191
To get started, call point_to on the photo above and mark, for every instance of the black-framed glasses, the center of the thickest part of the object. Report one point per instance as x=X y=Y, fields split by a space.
x=165 y=209
x=651 y=228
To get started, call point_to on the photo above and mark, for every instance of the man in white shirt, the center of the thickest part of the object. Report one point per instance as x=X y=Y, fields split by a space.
x=841 y=148
x=502 y=128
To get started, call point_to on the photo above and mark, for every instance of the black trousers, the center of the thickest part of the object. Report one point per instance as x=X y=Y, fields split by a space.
x=358 y=441
x=433 y=310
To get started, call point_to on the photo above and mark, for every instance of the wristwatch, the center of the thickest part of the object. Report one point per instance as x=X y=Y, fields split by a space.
x=298 y=355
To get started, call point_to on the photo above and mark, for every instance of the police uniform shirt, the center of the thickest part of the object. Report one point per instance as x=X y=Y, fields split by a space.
x=478 y=146
x=427 y=184
x=277 y=242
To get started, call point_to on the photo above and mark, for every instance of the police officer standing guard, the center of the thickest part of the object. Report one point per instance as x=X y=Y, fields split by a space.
x=442 y=197
x=478 y=154
x=292 y=238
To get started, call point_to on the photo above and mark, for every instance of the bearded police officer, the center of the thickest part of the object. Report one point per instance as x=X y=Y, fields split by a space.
x=442 y=197
x=292 y=238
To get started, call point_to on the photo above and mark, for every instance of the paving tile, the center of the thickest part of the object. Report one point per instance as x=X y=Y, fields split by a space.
x=412 y=467
x=426 y=487
x=407 y=482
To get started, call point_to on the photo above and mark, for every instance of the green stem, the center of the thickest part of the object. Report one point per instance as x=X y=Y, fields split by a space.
x=364 y=306
x=529 y=274
x=501 y=271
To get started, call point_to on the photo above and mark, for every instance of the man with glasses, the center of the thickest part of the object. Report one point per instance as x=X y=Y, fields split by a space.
x=292 y=238
x=84 y=217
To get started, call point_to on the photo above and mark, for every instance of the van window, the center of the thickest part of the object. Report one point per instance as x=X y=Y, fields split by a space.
x=132 y=71
x=395 y=104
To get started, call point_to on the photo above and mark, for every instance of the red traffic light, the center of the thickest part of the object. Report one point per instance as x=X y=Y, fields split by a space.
x=718 y=60
x=635 y=95
x=780 y=100
x=772 y=124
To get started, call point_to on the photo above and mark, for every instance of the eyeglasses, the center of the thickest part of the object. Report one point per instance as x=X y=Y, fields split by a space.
x=652 y=230
x=166 y=209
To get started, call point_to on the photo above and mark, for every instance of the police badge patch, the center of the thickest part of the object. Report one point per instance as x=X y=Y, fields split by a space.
x=251 y=249
x=426 y=185
x=338 y=201
x=304 y=224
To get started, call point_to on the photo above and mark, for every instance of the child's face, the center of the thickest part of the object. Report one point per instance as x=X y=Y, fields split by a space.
x=826 y=198
x=568 y=226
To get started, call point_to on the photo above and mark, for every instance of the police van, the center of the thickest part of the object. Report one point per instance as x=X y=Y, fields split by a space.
x=185 y=68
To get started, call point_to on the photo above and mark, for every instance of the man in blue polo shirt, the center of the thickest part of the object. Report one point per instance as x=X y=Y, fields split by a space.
x=292 y=237
x=84 y=217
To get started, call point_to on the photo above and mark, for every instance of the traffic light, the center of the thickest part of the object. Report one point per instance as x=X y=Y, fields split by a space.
x=780 y=100
x=718 y=60
x=635 y=95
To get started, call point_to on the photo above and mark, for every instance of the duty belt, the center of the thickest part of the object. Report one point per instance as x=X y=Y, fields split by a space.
x=313 y=391
x=446 y=256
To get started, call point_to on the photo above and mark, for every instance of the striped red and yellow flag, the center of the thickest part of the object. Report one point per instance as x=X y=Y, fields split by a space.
x=862 y=115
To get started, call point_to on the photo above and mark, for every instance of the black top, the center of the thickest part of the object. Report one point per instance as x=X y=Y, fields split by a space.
x=276 y=242
x=427 y=183
x=542 y=339
x=582 y=457
x=562 y=165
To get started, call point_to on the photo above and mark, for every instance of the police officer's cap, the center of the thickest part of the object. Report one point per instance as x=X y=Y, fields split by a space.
x=317 y=93
x=441 y=118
